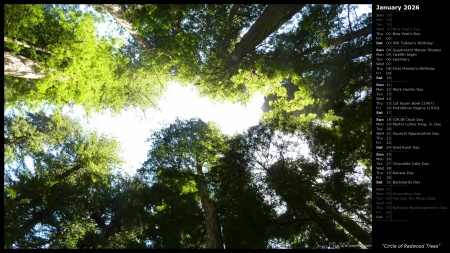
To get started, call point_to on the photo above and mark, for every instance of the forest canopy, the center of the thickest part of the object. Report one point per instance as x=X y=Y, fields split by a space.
x=198 y=188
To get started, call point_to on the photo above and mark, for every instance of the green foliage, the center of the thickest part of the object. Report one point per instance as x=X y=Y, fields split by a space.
x=60 y=191
x=115 y=210
x=172 y=217
x=184 y=144
x=196 y=39
x=318 y=61
x=298 y=188
x=244 y=213
x=171 y=174
x=50 y=167
x=328 y=90
x=80 y=67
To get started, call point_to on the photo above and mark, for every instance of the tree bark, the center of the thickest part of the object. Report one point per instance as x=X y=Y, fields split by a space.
x=343 y=38
x=273 y=16
x=213 y=230
x=348 y=224
x=116 y=11
x=354 y=34
x=27 y=46
x=233 y=12
x=353 y=54
x=22 y=67
x=67 y=173
x=37 y=217
x=328 y=227
x=362 y=217
x=360 y=51
x=6 y=141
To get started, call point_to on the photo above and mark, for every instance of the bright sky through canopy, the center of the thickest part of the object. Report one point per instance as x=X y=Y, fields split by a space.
x=132 y=128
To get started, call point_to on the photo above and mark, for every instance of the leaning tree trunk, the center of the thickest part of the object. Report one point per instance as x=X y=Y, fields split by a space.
x=327 y=226
x=22 y=44
x=350 y=55
x=19 y=66
x=116 y=11
x=213 y=231
x=273 y=16
x=346 y=222
x=365 y=31
x=233 y=12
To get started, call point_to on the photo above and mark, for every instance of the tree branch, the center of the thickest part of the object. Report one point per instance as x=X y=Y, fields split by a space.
x=67 y=173
x=26 y=45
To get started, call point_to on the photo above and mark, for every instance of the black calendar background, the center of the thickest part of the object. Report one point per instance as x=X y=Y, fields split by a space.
x=418 y=227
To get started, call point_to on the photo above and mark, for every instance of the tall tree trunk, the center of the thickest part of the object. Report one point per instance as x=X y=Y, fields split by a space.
x=19 y=66
x=328 y=227
x=360 y=51
x=354 y=34
x=365 y=219
x=37 y=217
x=348 y=224
x=300 y=66
x=213 y=230
x=353 y=54
x=343 y=38
x=116 y=10
x=233 y=12
x=273 y=16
